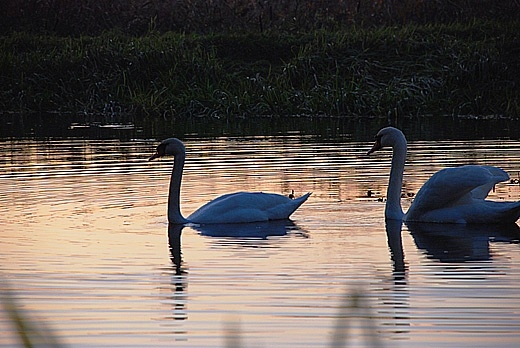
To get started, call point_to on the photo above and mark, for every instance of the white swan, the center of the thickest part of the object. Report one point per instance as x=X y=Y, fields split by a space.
x=237 y=207
x=452 y=195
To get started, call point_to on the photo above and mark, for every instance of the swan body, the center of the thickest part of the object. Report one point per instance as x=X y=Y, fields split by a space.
x=239 y=207
x=452 y=195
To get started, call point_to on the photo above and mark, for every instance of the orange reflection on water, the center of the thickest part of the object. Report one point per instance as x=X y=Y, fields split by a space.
x=85 y=246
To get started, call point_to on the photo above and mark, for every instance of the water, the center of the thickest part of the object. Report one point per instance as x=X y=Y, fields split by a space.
x=86 y=250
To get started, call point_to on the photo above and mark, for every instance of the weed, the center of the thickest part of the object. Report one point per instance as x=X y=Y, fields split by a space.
x=407 y=70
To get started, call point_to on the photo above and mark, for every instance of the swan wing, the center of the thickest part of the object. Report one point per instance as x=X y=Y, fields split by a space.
x=241 y=207
x=494 y=176
x=457 y=186
x=458 y=195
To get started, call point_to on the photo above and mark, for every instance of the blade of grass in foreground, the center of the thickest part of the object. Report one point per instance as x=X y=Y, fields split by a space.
x=30 y=332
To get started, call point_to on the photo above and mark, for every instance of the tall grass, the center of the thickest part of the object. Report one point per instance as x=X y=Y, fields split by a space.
x=386 y=71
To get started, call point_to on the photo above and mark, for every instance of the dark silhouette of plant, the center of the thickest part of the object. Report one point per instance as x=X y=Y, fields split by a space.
x=136 y=17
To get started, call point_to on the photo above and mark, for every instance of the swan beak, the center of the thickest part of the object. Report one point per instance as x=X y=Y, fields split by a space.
x=154 y=156
x=375 y=147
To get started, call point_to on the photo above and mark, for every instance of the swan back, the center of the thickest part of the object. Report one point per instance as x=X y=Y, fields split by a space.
x=455 y=186
x=457 y=195
x=241 y=207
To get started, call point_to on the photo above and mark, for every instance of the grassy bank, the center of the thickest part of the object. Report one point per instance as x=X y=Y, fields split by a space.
x=457 y=69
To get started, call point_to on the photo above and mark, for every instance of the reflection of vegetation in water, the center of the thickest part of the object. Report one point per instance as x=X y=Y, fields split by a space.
x=455 y=69
x=354 y=309
x=306 y=129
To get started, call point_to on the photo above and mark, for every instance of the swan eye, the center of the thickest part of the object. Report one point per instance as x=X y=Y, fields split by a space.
x=161 y=149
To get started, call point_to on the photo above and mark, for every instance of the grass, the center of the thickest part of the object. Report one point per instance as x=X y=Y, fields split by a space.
x=138 y=17
x=432 y=69
x=31 y=333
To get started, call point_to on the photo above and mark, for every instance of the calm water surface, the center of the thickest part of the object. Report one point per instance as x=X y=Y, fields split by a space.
x=86 y=249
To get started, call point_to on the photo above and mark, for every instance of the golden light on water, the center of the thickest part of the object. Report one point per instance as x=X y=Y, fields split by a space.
x=84 y=245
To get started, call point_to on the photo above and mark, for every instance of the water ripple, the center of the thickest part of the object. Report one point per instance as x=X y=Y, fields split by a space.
x=86 y=248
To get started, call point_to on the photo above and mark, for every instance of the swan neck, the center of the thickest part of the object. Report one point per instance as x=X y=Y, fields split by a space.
x=393 y=209
x=174 y=204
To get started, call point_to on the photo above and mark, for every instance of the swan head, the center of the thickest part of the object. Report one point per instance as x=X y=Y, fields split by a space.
x=387 y=137
x=169 y=147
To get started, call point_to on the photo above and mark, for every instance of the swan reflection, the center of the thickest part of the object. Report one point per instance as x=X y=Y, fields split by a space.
x=253 y=230
x=179 y=280
x=395 y=244
x=395 y=299
x=461 y=242
x=174 y=243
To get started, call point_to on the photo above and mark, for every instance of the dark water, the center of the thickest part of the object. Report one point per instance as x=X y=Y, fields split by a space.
x=86 y=251
x=44 y=126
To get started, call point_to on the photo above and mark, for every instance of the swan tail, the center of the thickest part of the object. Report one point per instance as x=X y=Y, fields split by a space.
x=303 y=198
x=512 y=214
x=300 y=200
x=284 y=211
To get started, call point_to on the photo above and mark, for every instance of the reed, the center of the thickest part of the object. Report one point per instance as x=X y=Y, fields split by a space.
x=456 y=69
x=353 y=311
x=30 y=332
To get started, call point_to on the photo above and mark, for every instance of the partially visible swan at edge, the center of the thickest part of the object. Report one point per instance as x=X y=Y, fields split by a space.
x=452 y=195
x=239 y=207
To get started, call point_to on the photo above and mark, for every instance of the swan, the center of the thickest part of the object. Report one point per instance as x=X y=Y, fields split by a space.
x=452 y=195
x=239 y=207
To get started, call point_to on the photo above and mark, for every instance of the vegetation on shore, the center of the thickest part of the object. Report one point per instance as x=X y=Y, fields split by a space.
x=416 y=69
x=137 y=17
